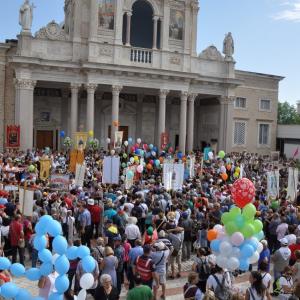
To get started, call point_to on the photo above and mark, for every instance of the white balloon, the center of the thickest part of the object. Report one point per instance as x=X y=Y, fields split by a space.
x=86 y=281
x=112 y=152
x=126 y=143
x=236 y=252
x=138 y=140
x=54 y=258
x=221 y=261
x=233 y=264
x=108 y=140
x=223 y=169
x=225 y=248
x=218 y=228
x=82 y=295
x=254 y=258
x=260 y=247
x=210 y=155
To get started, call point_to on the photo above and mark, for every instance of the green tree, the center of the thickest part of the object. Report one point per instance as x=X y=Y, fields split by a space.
x=287 y=114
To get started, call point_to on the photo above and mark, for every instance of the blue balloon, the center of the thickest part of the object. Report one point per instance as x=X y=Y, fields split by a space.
x=155 y=149
x=244 y=265
x=260 y=235
x=45 y=220
x=142 y=152
x=62 y=265
x=72 y=253
x=239 y=221
x=130 y=140
x=33 y=274
x=179 y=155
x=54 y=228
x=4 y=263
x=60 y=245
x=62 y=134
x=17 y=270
x=88 y=264
x=83 y=251
x=215 y=245
x=37 y=298
x=9 y=290
x=40 y=229
x=46 y=268
x=23 y=294
x=45 y=255
x=253 y=243
x=39 y=242
x=247 y=250
x=62 y=284
x=150 y=146
x=56 y=296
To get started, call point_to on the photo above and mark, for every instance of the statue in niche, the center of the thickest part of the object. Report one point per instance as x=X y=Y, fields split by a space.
x=228 y=46
x=26 y=16
x=107 y=14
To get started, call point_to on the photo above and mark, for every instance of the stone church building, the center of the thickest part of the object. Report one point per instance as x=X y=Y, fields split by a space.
x=132 y=66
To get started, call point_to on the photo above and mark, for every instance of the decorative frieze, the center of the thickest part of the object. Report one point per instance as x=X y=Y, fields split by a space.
x=25 y=84
x=51 y=32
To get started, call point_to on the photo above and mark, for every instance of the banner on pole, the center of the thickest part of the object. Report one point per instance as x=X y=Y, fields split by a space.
x=80 y=140
x=292 y=183
x=59 y=182
x=26 y=202
x=13 y=136
x=273 y=183
x=173 y=176
x=118 y=139
x=111 y=170
x=45 y=165
x=79 y=174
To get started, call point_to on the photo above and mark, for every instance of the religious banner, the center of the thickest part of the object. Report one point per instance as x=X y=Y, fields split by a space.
x=26 y=201
x=275 y=157
x=167 y=175
x=79 y=174
x=45 y=165
x=80 y=140
x=164 y=140
x=292 y=183
x=273 y=184
x=111 y=170
x=13 y=136
x=173 y=176
x=118 y=139
x=129 y=179
x=59 y=182
x=76 y=157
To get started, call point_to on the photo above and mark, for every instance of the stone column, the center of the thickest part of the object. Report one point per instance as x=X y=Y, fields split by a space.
x=24 y=111
x=155 y=19
x=191 y=117
x=74 y=108
x=162 y=114
x=182 y=129
x=93 y=20
x=90 y=106
x=116 y=89
x=65 y=120
x=129 y=14
x=139 y=116
x=195 y=9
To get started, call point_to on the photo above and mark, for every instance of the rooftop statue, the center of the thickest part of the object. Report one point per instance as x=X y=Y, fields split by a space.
x=26 y=15
x=228 y=46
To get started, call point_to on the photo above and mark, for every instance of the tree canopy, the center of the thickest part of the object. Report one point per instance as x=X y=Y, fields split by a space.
x=287 y=114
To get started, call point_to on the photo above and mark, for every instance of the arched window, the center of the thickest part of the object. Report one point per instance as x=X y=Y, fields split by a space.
x=141 y=33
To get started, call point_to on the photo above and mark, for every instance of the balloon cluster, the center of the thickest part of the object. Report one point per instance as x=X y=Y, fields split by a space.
x=236 y=244
x=59 y=261
x=67 y=142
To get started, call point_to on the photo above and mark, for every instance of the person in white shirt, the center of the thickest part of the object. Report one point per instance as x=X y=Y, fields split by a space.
x=282 y=229
x=132 y=231
x=266 y=278
x=286 y=284
x=211 y=283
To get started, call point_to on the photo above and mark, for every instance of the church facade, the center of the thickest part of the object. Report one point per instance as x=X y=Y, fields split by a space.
x=132 y=66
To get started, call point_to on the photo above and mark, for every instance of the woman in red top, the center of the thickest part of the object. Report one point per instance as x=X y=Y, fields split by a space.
x=16 y=236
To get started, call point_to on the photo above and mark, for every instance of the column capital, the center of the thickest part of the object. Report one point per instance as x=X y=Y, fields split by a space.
x=192 y=97
x=163 y=92
x=227 y=100
x=129 y=14
x=91 y=87
x=184 y=95
x=65 y=93
x=116 y=89
x=26 y=84
x=155 y=18
x=75 y=86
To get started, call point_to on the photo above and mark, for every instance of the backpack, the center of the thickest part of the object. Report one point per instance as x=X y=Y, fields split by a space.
x=176 y=243
x=143 y=268
x=203 y=269
x=222 y=292
x=137 y=212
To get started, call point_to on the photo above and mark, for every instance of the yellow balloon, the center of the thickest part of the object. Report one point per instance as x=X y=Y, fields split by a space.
x=136 y=158
x=91 y=133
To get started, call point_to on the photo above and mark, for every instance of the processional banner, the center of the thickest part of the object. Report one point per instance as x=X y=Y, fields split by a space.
x=111 y=170
x=292 y=183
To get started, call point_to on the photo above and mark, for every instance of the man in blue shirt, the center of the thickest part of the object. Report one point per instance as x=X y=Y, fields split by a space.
x=85 y=225
x=134 y=252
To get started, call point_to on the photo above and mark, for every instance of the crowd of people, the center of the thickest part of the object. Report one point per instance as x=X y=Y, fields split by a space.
x=139 y=237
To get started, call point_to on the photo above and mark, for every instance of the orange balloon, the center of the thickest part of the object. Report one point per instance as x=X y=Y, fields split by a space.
x=212 y=234
x=149 y=167
x=228 y=167
x=224 y=176
x=161 y=159
x=184 y=159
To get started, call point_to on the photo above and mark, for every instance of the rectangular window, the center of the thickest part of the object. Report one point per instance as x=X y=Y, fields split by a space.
x=239 y=133
x=240 y=102
x=265 y=104
x=263 y=134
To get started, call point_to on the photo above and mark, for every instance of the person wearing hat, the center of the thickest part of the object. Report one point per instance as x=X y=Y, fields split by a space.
x=281 y=258
x=160 y=257
x=150 y=236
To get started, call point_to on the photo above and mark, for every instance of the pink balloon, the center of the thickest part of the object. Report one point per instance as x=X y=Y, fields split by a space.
x=237 y=239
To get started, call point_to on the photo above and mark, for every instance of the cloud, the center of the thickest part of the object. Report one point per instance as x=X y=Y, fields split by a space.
x=291 y=11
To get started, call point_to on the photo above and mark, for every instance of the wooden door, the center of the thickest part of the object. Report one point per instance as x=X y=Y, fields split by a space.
x=121 y=128
x=44 y=138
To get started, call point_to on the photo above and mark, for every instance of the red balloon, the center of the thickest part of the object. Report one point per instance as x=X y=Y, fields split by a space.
x=243 y=192
x=132 y=149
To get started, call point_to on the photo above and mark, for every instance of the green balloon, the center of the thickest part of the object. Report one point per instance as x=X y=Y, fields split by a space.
x=123 y=165
x=258 y=226
x=226 y=217
x=249 y=211
x=124 y=155
x=248 y=230
x=235 y=211
x=221 y=154
x=275 y=204
x=231 y=228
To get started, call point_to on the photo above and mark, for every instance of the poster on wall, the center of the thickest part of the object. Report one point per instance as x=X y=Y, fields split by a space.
x=118 y=139
x=176 y=24
x=13 y=136
x=107 y=14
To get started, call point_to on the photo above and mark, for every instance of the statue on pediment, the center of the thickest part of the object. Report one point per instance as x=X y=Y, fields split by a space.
x=26 y=16
x=228 y=46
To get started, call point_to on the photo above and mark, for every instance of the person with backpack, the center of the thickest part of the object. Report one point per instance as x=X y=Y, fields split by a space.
x=119 y=253
x=187 y=225
x=257 y=290
x=266 y=277
x=144 y=266
x=202 y=267
x=285 y=284
x=190 y=289
x=220 y=283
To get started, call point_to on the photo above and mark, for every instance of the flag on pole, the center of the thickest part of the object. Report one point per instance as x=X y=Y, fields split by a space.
x=296 y=152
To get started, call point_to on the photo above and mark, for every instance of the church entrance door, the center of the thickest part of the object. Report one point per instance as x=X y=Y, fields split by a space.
x=44 y=138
